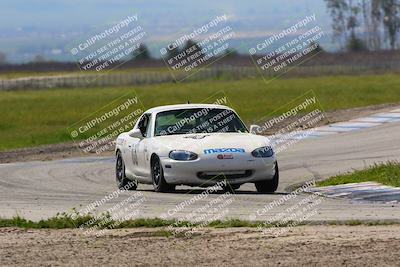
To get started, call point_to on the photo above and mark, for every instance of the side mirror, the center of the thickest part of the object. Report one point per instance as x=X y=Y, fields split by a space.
x=255 y=129
x=135 y=133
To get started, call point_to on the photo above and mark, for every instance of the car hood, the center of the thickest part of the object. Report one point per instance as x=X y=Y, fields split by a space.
x=198 y=143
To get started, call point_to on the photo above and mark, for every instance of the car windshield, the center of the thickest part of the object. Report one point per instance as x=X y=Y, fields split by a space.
x=198 y=120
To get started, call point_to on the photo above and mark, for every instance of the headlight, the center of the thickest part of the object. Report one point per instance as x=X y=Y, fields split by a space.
x=263 y=152
x=182 y=155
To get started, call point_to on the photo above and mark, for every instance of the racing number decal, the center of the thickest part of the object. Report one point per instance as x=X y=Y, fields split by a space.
x=146 y=154
x=134 y=154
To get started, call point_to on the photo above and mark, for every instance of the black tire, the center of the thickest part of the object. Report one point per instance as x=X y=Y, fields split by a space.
x=123 y=183
x=269 y=186
x=157 y=174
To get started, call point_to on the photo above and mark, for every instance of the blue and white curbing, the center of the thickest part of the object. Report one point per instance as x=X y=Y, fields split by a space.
x=352 y=125
x=361 y=192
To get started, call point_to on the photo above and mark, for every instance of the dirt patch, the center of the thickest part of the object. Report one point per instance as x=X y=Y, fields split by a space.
x=306 y=245
x=46 y=152
x=66 y=150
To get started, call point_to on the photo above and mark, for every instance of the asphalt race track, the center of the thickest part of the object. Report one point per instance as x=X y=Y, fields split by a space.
x=41 y=189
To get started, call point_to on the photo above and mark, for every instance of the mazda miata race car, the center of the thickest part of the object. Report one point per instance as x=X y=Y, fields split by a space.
x=194 y=145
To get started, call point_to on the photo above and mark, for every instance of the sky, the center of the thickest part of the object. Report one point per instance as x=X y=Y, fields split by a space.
x=50 y=27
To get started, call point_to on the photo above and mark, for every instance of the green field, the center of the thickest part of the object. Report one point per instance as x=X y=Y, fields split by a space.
x=387 y=174
x=31 y=118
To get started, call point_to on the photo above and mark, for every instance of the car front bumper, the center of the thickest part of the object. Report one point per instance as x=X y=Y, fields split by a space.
x=208 y=170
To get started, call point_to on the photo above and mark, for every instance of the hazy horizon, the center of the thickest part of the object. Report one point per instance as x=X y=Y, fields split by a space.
x=49 y=28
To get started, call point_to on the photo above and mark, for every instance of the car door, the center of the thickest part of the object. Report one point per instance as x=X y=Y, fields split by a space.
x=143 y=153
x=130 y=156
x=132 y=148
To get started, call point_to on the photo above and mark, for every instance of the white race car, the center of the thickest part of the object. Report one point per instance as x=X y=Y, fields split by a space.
x=195 y=145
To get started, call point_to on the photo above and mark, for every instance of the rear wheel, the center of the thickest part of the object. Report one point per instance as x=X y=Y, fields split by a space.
x=123 y=183
x=269 y=186
x=157 y=174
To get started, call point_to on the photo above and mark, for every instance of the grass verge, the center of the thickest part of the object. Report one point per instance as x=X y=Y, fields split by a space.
x=386 y=173
x=67 y=221
x=105 y=221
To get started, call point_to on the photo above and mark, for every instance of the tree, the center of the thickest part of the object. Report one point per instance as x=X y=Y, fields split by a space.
x=317 y=48
x=353 y=20
x=3 y=58
x=356 y=44
x=376 y=17
x=193 y=52
x=230 y=52
x=380 y=20
x=141 y=53
x=39 y=59
x=172 y=52
x=338 y=10
x=391 y=20
x=191 y=47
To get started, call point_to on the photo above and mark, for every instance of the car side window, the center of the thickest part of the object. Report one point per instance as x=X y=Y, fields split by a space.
x=144 y=125
x=148 y=126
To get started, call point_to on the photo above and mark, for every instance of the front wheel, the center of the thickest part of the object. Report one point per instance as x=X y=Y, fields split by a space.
x=123 y=183
x=157 y=174
x=269 y=186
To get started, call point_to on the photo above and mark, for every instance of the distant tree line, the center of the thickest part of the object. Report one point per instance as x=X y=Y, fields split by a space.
x=3 y=58
x=365 y=24
x=143 y=53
